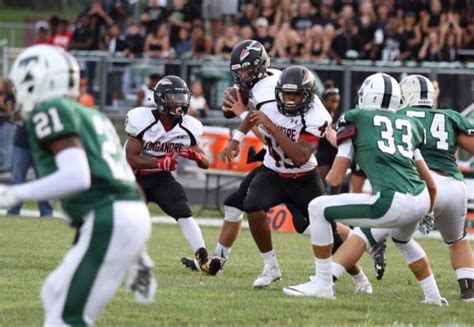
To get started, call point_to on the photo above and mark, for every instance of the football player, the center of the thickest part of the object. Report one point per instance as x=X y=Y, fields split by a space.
x=445 y=130
x=155 y=137
x=80 y=161
x=386 y=145
x=291 y=122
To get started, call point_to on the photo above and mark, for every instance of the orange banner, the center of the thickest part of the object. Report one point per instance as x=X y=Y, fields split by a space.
x=280 y=219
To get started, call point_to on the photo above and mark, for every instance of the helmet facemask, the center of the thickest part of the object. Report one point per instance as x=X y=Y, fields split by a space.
x=293 y=102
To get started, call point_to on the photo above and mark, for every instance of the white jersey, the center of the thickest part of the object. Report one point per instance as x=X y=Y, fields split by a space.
x=149 y=98
x=144 y=124
x=312 y=126
x=264 y=90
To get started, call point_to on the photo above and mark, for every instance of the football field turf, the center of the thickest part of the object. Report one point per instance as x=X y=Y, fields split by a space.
x=31 y=248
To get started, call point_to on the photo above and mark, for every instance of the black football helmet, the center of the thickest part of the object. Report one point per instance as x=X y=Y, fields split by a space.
x=172 y=96
x=295 y=90
x=248 y=63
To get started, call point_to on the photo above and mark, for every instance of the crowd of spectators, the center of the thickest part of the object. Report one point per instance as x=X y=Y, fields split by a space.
x=310 y=30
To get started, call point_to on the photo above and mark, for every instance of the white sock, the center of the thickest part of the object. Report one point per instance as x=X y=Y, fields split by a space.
x=270 y=258
x=462 y=273
x=192 y=233
x=429 y=287
x=337 y=270
x=324 y=270
x=222 y=251
x=360 y=277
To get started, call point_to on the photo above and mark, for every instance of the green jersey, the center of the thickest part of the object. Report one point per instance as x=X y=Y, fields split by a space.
x=112 y=178
x=442 y=129
x=383 y=148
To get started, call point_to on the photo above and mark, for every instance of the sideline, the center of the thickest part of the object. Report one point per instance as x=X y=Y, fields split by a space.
x=211 y=222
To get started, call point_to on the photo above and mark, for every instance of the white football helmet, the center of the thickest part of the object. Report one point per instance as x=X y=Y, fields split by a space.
x=379 y=92
x=417 y=90
x=43 y=72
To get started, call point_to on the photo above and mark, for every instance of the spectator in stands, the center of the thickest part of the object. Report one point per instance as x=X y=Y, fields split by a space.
x=394 y=46
x=183 y=48
x=436 y=93
x=99 y=18
x=157 y=45
x=226 y=42
x=155 y=13
x=201 y=44
x=198 y=106
x=430 y=50
x=452 y=25
x=179 y=17
x=85 y=98
x=324 y=16
x=366 y=27
x=263 y=36
x=212 y=10
x=145 y=96
x=268 y=11
x=289 y=45
x=285 y=13
x=114 y=43
x=304 y=19
x=248 y=15
x=449 y=52
x=317 y=45
x=246 y=32
x=412 y=35
x=63 y=35
x=42 y=33
x=347 y=44
x=135 y=42
x=117 y=10
x=437 y=17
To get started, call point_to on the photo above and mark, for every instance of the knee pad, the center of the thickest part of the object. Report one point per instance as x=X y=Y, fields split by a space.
x=411 y=250
x=232 y=214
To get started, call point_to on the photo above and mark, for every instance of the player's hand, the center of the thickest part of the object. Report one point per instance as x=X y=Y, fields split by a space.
x=233 y=103
x=8 y=198
x=259 y=118
x=427 y=224
x=231 y=151
x=168 y=162
x=192 y=154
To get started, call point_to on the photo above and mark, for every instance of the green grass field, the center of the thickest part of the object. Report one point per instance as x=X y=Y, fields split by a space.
x=31 y=248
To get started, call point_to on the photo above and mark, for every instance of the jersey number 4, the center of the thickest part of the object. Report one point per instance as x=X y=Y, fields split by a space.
x=387 y=144
x=437 y=128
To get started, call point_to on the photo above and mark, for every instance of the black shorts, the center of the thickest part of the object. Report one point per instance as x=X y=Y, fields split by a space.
x=268 y=189
x=236 y=199
x=167 y=193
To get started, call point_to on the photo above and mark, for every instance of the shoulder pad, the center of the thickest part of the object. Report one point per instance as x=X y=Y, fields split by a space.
x=345 y=131
x=194 y=125
x=264 y=90
x=138 y=120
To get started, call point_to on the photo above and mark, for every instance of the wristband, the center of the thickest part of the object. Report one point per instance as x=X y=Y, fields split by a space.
x=243 y=115
x=238 y=136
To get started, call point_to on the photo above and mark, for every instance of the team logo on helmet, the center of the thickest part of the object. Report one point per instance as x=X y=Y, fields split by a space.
x=307 y=77
x=244 y=54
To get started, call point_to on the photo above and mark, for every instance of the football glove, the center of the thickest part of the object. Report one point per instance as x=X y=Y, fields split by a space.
x=8 y=198
x=427 y=224
x=168 y=162
x=192 y=154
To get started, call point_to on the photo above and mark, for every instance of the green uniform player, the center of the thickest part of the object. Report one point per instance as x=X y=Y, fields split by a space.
x=80 y=161
x=386 y=146
x=445 y=131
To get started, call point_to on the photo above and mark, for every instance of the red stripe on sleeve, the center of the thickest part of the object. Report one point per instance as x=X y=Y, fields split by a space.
x=308 y=137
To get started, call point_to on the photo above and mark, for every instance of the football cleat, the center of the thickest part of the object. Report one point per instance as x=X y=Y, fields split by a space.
x=270 y=274
x=467 y=289
x=377 y=253
x=363 y=287
x=313 y=288
x=442 y=302
x=140 y=280
x=203 y=263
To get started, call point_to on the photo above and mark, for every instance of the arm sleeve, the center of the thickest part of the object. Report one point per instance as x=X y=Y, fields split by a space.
x=73 y=175
x=346 y=149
